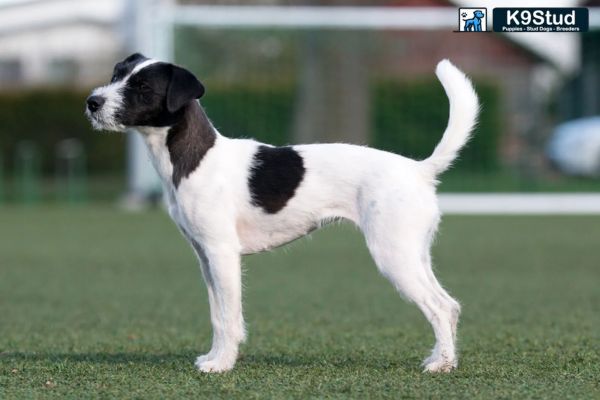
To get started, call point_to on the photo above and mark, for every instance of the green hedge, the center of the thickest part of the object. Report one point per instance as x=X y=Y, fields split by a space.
x=261 y=113
x=407 y=118
x=47 y=116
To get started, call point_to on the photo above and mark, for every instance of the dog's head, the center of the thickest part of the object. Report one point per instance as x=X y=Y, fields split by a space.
x=478 y=14
x=142 y=92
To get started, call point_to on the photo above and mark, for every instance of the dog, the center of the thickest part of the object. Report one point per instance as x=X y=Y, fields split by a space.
x=231 y=197
x=474 y=24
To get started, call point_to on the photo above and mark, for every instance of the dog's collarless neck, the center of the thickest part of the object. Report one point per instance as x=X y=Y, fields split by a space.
x=188 y=141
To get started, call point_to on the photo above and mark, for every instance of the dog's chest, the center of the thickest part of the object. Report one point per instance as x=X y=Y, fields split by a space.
x=175 y=211
x=192 y=229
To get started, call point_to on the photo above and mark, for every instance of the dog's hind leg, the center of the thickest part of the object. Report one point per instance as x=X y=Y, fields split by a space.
x=399 y=245
x=452 y=305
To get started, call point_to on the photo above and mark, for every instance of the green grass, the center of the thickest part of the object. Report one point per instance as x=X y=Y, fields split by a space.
x=98 y=303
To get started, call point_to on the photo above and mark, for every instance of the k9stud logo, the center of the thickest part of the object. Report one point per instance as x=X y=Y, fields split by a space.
x=472 y=19
x=541 y=19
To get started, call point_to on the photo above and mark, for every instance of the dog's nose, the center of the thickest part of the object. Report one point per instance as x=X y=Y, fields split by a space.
x=94 y=103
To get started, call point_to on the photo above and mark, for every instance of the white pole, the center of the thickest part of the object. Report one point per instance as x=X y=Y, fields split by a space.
x=153 y=37
x=332 y=17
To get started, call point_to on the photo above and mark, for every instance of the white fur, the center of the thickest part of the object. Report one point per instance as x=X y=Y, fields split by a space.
x=391 y=198
x=464 y=108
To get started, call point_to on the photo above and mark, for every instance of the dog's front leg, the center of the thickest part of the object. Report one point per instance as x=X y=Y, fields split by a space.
x=221 y=269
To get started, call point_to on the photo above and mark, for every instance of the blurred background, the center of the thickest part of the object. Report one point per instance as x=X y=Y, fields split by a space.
x=355 y=71
x=97 y=299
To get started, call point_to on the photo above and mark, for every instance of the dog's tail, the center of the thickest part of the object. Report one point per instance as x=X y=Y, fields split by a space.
x=464 y=107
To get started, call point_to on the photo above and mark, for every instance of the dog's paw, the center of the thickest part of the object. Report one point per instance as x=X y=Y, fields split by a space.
x=439 y=364
x=209 y=364
x=203 y=358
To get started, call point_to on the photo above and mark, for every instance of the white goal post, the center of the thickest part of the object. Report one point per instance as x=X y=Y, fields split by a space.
x=154 y=35
x=329 y=17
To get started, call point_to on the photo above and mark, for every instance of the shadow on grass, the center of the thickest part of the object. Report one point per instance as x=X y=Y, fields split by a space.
x=100 y=358
x=244 y=361
x=329 y=360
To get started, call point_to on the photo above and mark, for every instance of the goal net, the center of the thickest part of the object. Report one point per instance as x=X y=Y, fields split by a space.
x=287 y=75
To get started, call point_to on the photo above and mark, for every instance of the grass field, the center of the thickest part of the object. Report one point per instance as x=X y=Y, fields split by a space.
x=98 y=303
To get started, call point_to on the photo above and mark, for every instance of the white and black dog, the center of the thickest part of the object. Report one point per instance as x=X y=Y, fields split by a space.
x=231 y=197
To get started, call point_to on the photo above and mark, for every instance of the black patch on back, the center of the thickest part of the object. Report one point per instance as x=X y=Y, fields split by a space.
x=188 y=140
x=276 y=174
x=125 y=67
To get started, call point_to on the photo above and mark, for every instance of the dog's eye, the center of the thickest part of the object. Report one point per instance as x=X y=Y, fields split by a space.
x=113 y=79
x=143 y=87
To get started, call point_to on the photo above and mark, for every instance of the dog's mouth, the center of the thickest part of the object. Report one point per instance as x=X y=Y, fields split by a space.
x=101 y=122
x=97 y=120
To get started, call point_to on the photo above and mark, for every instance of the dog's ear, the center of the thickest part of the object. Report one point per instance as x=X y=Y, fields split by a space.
x=135 y=57
x=183 y=88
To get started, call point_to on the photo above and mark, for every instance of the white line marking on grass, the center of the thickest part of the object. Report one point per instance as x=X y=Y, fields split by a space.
x=520 y=203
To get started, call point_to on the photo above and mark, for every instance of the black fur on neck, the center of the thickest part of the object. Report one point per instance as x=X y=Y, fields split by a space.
x=188 y=140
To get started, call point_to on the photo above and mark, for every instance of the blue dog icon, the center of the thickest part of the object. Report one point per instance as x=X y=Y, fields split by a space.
x=474 y=24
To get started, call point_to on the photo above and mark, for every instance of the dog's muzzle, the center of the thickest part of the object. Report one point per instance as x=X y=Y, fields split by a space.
x=100 y=111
